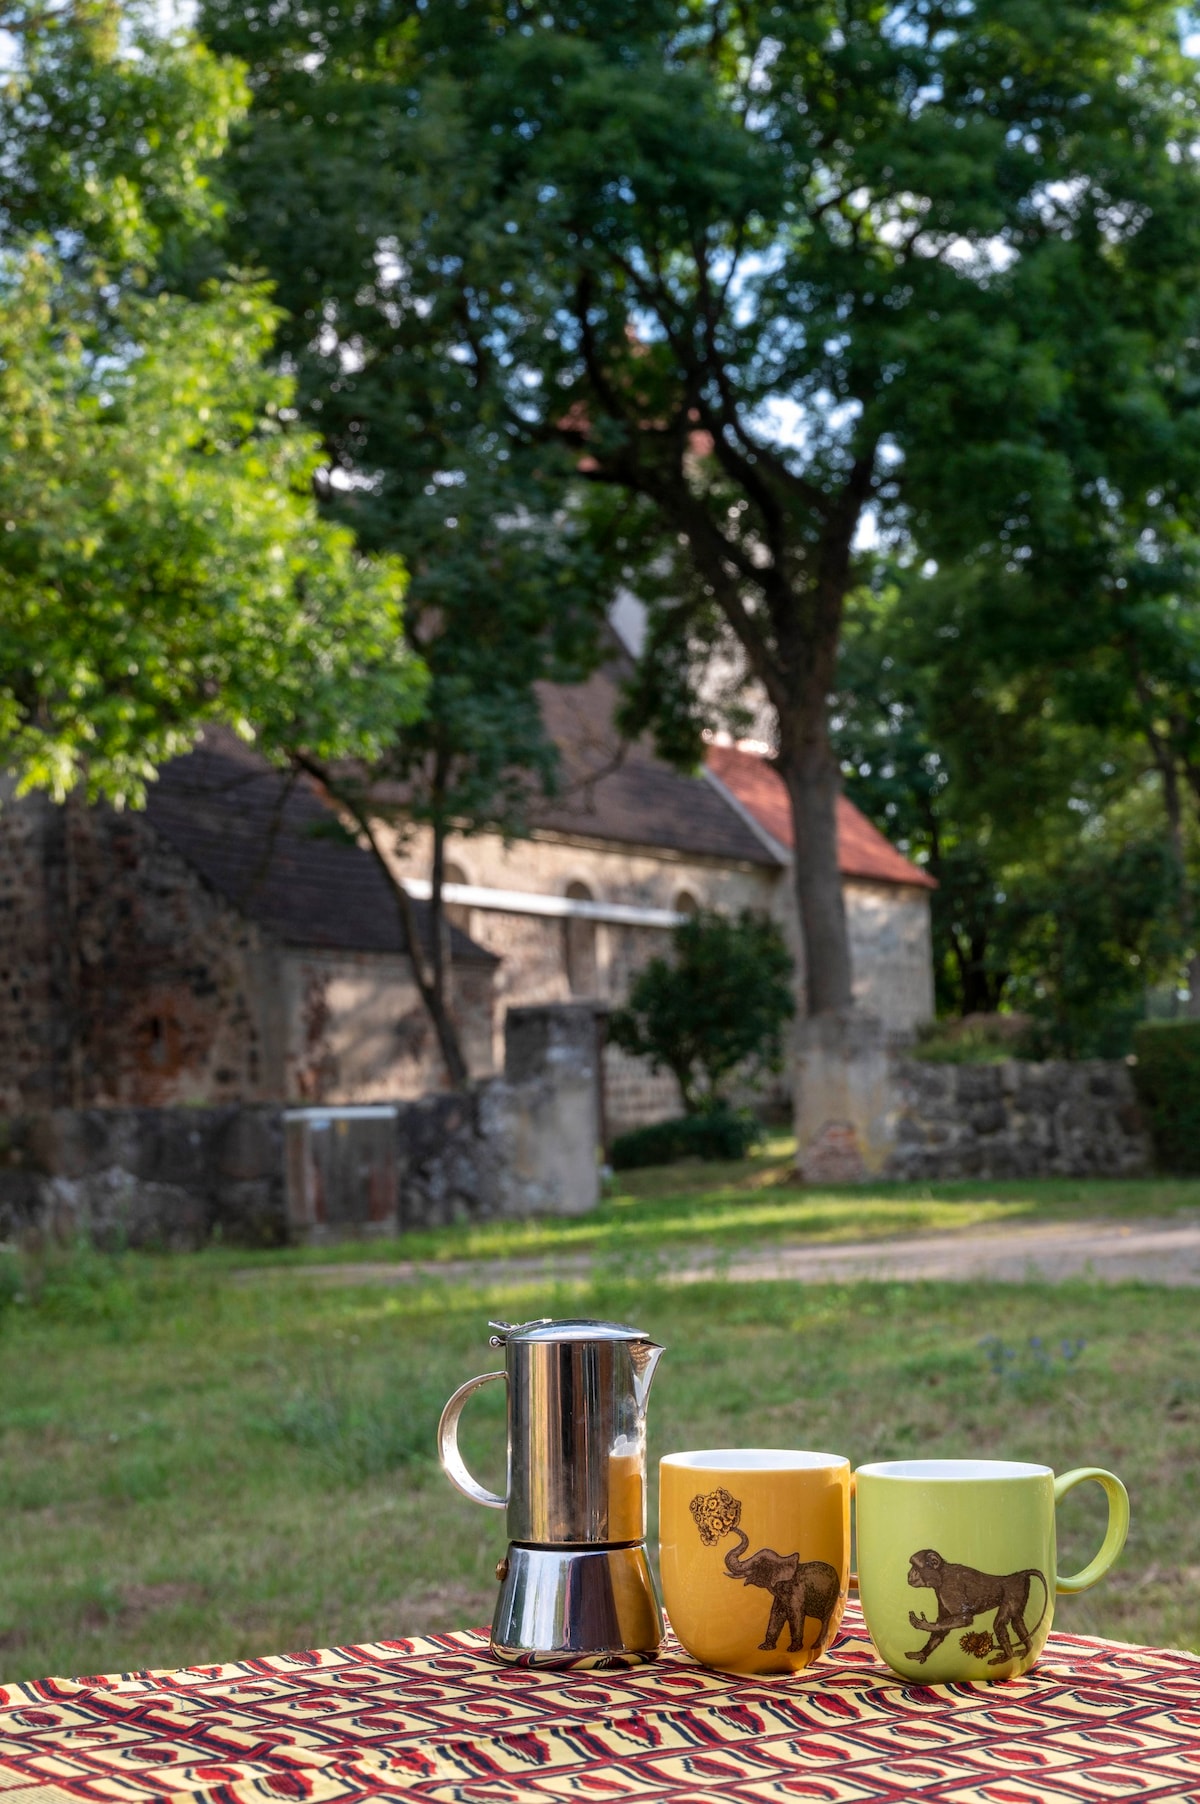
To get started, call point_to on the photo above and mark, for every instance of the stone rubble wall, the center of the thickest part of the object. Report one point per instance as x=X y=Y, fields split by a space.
x=1016 y=1119
x=178 y=1177
x=171 y=1178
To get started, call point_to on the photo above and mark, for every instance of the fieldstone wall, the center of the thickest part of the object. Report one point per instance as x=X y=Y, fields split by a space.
x=144 y=1177
x=260 y=1175
x=1016 y=1119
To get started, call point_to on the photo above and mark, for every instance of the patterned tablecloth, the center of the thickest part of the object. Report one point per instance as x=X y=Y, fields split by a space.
x=438 y=1720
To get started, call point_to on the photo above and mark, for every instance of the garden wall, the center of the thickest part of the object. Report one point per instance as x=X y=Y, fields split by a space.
x=1016 y=1119
x=264 y=1174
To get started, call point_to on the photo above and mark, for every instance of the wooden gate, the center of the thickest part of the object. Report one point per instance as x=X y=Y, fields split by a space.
x=341 y=1171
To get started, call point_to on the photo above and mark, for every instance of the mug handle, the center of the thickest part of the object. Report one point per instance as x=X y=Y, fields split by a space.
x=453 y=1464
x=852 y=1576
x=1114 y=1534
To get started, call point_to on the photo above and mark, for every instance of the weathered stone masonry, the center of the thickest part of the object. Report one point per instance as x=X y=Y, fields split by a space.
x=175 y=1177
x=1016 y=1119
x=221 y=947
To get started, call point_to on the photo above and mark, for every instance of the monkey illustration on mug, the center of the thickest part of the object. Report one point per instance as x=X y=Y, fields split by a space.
x=963 y=1593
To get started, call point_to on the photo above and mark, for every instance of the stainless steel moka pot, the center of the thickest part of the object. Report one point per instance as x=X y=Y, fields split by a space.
x=575 y=1584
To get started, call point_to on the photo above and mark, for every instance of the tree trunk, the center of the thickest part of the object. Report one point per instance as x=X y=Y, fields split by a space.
x=439 y=926
x=807 y=764
x=1186 y=909
x=432 y=994
x=687 y=1094
x=981 y=989
x=436 y=1001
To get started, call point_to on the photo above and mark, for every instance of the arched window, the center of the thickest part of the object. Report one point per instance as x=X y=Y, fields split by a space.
x=579 y=946
x=457 y=913
x=686 y=903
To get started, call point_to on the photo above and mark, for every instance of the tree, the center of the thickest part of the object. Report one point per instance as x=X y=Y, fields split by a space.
x=715 y=1010
x=495 y=605
x=763 y=270
x=1124 y=653
x=162 y=561
x=963 y=765
x=1093 y=931
x=1056 y=884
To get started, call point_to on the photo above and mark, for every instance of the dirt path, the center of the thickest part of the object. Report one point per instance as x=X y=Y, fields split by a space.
x=1161 y=1252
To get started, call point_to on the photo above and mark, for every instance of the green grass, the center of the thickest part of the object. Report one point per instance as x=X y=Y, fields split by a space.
x=756 y=1200
x=194 y=1468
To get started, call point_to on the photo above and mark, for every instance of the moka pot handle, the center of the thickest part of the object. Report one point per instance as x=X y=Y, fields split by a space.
x=453 y=1464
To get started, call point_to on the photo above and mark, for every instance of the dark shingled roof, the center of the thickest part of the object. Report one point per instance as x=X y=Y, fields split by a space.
x=268 y=843
x=631 y=796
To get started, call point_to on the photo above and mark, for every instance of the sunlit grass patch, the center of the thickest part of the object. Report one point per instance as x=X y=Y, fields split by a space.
x=752 y=1201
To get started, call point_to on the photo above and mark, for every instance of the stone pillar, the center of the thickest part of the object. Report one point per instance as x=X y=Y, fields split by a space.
x=551 y=1073
x=845 y=1108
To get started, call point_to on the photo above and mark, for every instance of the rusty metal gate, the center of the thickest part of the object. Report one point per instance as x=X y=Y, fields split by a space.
x=341 y=1170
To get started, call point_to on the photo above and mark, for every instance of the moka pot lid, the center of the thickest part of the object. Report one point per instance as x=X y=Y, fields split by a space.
x=577 y=1328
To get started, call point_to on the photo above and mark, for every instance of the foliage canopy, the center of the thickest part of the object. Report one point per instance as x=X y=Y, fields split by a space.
x=1058 y=888
x=162 y=561
x=755 y=273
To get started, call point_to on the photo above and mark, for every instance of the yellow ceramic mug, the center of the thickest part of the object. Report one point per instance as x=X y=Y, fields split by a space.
x=957 y=1562
x=755 y=1554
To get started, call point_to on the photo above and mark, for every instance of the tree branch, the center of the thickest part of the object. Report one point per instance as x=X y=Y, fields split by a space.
x=456 y=1065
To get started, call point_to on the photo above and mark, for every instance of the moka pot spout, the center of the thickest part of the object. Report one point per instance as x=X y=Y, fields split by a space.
x=644 y=1357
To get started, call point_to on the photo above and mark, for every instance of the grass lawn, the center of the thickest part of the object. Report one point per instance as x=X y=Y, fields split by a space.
x=195 y=1468
x=729 y=1206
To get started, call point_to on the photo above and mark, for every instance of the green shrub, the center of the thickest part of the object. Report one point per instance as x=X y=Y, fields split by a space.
x=712 y=1134
x=972 y=1040
x=1167 y=1076
x=713 y=1014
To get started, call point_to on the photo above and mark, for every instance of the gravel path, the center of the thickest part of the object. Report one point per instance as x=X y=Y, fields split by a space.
x=1161 y=1252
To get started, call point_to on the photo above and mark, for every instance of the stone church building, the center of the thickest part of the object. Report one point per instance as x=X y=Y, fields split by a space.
x=629 y=846
x=233 y=943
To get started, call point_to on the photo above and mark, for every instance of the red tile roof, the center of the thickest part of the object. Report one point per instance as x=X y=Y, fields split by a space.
x=862 y=850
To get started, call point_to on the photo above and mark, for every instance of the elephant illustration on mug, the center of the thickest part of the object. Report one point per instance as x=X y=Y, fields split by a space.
x=799 y=1588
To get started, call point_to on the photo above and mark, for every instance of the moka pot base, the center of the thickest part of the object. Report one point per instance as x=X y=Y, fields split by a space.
x=576 y=1606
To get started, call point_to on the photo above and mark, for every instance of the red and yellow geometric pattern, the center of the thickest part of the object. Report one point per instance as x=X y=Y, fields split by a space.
x=439 y=1720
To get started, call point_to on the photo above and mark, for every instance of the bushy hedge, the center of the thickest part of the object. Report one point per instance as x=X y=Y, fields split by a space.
x=711 y=1134
x=1167 y=1075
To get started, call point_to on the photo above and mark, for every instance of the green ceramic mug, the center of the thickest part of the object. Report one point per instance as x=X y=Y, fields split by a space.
x=957 y=1562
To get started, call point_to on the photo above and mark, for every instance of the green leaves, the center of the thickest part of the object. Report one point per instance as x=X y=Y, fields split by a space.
x=1059 y=895
x=764 y=268
x=716 y=1010
x=162 y=562
x=765 y=276
x=109 y=134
